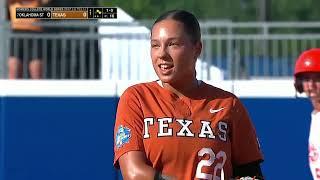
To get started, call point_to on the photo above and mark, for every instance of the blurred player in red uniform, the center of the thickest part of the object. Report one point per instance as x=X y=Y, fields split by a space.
x=307 y=80
x=179 y=127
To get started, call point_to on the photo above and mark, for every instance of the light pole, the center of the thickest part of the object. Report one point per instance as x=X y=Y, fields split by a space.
x=263 y=10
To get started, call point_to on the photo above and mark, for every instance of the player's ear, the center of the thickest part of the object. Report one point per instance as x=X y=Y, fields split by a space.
x=198 y=47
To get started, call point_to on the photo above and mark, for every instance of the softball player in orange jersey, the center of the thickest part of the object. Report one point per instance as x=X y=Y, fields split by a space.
x=179 y=127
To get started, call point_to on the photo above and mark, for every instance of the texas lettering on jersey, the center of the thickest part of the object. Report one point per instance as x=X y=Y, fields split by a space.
x=164 y=129
x=197 y=137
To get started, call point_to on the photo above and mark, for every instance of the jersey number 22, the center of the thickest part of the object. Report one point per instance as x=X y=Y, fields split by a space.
x=209 y=162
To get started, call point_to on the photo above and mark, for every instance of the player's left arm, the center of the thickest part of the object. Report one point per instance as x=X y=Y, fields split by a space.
x=247 y=154
x=252 y=170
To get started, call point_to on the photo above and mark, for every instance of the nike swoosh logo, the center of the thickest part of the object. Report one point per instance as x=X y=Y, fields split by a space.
x=212 y=111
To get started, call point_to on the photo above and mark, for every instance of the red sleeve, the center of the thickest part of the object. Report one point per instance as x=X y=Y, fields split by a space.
x=128 y=127
x=245 y=145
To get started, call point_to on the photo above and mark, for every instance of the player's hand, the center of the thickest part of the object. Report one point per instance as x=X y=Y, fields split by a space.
x=160 y=176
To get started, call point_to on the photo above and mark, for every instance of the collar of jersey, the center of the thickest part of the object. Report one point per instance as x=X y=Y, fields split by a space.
x=173 y=95
x=161 y=84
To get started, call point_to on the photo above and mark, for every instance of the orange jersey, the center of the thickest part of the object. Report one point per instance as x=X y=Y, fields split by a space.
x=198 y=137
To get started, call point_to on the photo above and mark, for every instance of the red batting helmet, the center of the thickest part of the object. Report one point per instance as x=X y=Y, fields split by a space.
x=308 y=61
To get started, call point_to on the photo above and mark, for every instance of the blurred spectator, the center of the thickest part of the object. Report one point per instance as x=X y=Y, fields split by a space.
x=24 y=51
x=64 y=58
x=72 y=58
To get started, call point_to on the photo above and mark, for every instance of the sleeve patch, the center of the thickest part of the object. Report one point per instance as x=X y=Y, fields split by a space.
x=123 y=136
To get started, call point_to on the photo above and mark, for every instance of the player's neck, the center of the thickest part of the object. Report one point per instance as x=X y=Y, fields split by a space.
x=316 y=104
x=183 y=89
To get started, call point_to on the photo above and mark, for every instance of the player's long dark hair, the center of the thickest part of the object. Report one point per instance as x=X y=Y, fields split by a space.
x=190 y=22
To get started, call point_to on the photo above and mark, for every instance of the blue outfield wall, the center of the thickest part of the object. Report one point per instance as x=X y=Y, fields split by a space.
x=71 y=138
x=58 y=138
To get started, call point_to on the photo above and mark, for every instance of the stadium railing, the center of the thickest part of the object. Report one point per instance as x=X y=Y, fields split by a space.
x=231 y=50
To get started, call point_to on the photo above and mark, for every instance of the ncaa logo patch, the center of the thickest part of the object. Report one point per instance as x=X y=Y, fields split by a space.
x=123 y=136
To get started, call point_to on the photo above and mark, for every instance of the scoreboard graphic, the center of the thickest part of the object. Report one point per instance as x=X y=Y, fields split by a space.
x=67 y=13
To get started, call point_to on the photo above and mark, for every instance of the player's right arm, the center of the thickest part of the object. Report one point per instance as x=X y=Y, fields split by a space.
x=129 y=149
x=133 y=165
x=128 y=139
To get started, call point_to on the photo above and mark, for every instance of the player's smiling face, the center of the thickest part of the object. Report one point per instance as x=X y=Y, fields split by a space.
x=172 y=52
x=311 y=84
